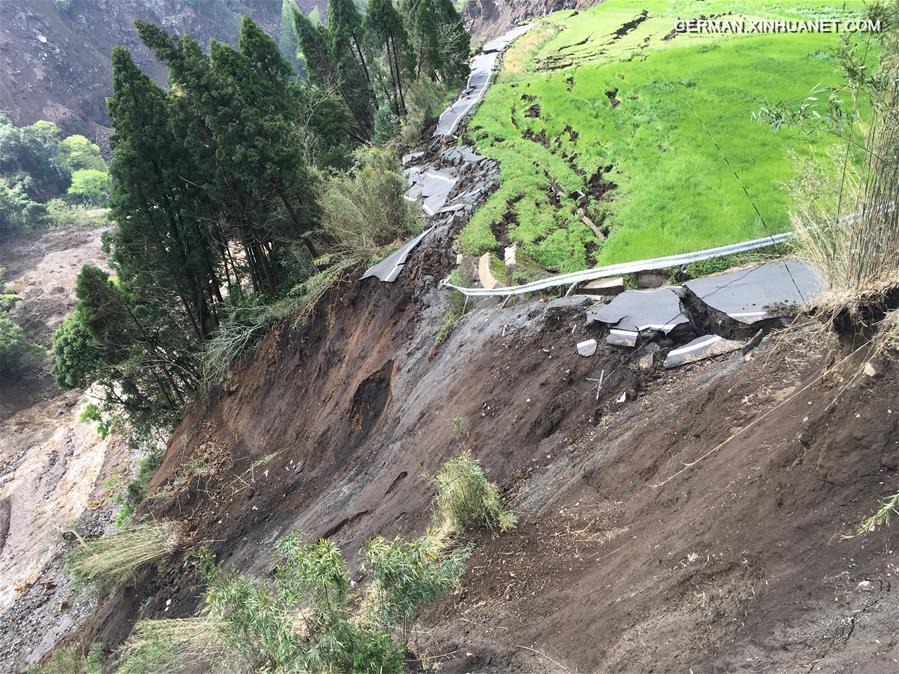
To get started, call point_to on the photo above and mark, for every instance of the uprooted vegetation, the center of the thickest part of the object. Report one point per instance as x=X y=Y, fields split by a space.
x=114 y=558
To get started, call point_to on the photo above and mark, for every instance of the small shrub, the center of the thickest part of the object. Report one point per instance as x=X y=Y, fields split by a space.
x=17 y=354
x=116 y=557
x=408 y=575
x=301 y=622
x=386 y=125
x=466 y=501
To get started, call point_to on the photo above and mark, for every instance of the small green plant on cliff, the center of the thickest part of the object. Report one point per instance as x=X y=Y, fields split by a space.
x=407 y=576
x=115 y=557
x=881 y=518
x=69 y=660
x=466 y=500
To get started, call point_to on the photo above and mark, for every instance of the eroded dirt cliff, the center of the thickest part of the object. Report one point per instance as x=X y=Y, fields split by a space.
x=694 y=522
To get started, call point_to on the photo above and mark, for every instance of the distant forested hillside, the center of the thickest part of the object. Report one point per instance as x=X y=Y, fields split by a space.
x=55 y=54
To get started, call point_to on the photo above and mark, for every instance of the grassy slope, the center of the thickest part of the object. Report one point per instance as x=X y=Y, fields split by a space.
x=674 y=191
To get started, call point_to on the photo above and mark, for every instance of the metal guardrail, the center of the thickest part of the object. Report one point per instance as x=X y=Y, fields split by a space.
x=622 y=268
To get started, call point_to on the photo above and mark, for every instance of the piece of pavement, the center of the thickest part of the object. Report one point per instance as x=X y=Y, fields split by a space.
x=707 y=346
x=752 y=295
x=390 y=267
x=641 y=310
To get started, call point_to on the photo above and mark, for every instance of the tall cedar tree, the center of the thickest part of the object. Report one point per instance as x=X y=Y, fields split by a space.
x=160 y=244
x=346 y=46
x=385 y=26
x=244 y=107
x=440 y=39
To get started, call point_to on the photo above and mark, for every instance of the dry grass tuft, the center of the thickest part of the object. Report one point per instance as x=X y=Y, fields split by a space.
x=163 y=646
x=116 y=557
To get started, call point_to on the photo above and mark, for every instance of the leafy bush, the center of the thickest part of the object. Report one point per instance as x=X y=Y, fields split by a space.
x=18 y=212
x=408 y=575
x=90 y=187
x=79 y=153
x=386 y=125
x=116 y=557
x=466 y=501
x=17 y=354
x=302 y=621
x=424 y=101
x=62 y=214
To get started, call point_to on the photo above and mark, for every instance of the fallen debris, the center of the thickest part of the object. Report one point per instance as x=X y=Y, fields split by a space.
x=707 y=346
x=587 y=348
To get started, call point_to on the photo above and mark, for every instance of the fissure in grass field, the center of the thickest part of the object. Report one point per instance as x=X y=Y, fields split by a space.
x=620 y=138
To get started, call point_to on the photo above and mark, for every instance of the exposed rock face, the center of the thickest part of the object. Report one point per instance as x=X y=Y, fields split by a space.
x=488 y=18
x=55 y=54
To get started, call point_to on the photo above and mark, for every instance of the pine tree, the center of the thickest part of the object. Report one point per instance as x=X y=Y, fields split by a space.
x=385 y=25
x=159 y=242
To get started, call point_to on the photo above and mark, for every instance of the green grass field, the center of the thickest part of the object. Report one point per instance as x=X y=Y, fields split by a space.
x=632 y=122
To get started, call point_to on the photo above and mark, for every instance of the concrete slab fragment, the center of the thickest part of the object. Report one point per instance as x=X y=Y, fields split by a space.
x=390 y=267
x=701 y=348
x=752 y=295
x=587 y=348
x=604 y=286
x=626 y=338
x=640 y=310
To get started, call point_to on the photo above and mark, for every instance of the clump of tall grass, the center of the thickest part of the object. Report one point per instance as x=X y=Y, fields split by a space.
x=163 y=646
x=466 y=500
x=116 y=557
x=69 y=660
x=365 y=209
x=846 y=222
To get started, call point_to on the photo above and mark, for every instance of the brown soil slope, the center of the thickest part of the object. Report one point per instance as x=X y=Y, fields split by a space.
x=620 y=562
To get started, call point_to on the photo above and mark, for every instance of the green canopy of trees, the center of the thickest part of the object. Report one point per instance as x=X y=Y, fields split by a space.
x=371 y=60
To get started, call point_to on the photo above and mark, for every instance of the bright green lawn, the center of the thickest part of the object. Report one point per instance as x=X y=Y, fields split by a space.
x=674 y=190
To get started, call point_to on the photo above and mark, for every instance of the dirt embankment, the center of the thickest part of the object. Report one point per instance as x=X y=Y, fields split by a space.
x=624 y=559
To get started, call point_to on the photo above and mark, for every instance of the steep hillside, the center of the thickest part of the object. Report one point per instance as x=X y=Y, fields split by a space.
x=55 y=54
x=686 y=518
x=52 y=464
